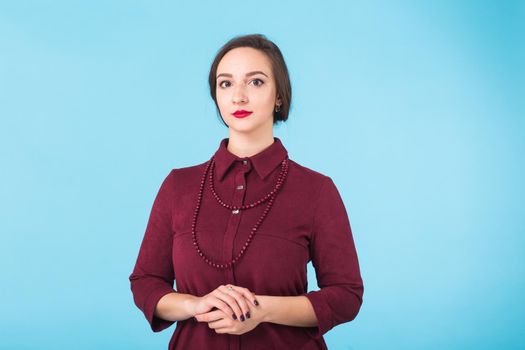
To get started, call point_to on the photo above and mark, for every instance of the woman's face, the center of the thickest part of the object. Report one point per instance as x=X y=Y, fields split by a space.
x=245 y=82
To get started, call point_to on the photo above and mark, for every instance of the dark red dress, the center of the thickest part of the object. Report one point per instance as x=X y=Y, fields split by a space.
x=308 y=221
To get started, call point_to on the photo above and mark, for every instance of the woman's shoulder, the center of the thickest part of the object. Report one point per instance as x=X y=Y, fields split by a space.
x=187 y=172
x=307 y=173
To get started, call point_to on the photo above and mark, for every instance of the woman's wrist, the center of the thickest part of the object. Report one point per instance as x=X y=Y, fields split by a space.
x=289 y=310
x=265 y=307
x=190 y=304
x=176 y=306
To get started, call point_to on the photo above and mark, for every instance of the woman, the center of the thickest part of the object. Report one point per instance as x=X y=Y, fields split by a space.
x=237 y=231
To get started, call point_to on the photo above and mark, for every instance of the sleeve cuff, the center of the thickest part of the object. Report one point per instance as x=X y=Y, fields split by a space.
x=322 y=312
x=157 y=324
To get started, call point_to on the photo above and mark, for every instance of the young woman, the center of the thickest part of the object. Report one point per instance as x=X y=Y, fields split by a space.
x=237 y=231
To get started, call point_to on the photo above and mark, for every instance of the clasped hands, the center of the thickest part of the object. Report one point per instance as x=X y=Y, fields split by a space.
x=229 y=309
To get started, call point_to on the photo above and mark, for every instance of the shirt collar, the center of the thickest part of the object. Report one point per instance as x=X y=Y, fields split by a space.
x=264 y=162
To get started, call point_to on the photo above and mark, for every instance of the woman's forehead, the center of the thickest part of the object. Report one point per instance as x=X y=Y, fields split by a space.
x=241 y=61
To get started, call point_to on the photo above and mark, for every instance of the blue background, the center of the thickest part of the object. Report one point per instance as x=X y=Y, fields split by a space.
x=415 y=109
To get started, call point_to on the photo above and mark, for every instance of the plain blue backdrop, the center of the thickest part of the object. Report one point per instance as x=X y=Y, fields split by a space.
x=415 y=109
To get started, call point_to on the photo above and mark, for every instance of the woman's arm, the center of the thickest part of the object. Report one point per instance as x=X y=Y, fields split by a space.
x=334 y=258
x=153 y=276
x=175 y=306
x=291 y=310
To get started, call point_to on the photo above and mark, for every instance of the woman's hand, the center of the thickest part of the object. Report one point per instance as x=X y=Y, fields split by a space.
x=229 y=299
x=222 y=323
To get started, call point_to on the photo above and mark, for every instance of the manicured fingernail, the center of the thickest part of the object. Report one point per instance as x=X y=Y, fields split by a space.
x=256 y=302
x=234 y=316
x=195 y=319
x=242 y=318
x=248 y=314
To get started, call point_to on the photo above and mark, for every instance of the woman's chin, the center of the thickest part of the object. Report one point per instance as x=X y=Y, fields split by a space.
x=242 y=125
x=246 y=125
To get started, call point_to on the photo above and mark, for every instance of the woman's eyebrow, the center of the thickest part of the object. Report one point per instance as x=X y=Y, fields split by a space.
x=247 y=74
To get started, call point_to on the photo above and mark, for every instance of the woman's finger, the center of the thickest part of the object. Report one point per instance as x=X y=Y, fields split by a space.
x=219 y=319
x=210 y=316
x=223 y=306
x=226 y=303
x=240 y=299
x=226 y=297
x=246 y=293
x=223 y=322
x=223 y=330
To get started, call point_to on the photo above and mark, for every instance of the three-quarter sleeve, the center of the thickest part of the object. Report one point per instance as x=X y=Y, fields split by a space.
x=153 y=275
x=335 y=261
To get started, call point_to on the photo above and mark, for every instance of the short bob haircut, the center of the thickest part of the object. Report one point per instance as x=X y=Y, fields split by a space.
x=279 y=70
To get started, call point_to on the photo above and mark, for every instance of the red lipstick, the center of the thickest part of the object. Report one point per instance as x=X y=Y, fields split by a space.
x=241 y=113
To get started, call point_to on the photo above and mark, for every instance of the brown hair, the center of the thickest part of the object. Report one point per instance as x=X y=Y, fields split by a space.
x=279 y=70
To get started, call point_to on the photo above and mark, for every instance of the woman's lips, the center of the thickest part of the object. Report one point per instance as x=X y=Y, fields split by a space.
x=241 y=114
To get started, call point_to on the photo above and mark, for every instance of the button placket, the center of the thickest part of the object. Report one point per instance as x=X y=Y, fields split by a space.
x=239 y=193
x=231 y=232
x=238 y=196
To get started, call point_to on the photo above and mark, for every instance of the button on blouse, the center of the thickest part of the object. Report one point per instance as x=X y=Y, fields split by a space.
x=307 y=222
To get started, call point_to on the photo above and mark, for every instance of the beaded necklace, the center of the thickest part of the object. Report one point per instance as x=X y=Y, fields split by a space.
x=270 y=197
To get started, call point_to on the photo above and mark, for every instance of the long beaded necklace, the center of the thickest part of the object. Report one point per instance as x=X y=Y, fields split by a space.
x=270 y=197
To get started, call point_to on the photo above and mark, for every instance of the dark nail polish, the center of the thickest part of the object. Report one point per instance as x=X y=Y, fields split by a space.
x=242 y=318
x=256 y=302
x=234 y=316
x=195 y=319
x=248 y=314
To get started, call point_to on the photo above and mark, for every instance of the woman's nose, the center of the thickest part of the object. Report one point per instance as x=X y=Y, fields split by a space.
x=239 y=95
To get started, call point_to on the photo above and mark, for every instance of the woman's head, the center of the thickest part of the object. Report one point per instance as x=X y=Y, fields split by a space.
x=249 y=73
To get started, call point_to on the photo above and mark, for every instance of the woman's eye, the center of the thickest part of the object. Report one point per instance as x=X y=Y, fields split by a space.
x=260 y=82
x=222 y=82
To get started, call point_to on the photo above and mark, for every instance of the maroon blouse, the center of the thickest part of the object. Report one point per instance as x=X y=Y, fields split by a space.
x=308 y=221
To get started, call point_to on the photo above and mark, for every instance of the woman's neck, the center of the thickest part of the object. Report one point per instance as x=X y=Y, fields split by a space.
x=243 y=145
